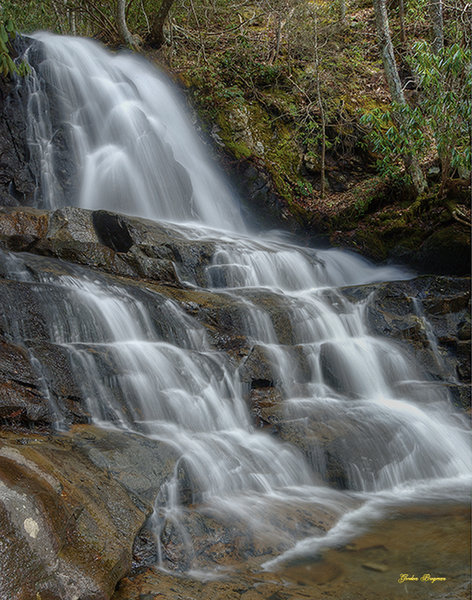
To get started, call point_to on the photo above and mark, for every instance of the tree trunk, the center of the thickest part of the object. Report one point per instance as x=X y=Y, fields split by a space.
x=72 y=22
x=445 y=168
x=274 y=53
x=436 y=15
x=386 y=48
x=342 y=11
x=321 y=109
x=158 y=19
x=123 y=30
x=395 y=86
x=401 y=14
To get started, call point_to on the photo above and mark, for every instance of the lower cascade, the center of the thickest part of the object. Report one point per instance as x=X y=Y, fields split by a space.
x=291 y=420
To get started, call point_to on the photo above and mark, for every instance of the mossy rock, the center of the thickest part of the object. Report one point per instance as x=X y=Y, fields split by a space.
x=446 y=251
x=370 y=244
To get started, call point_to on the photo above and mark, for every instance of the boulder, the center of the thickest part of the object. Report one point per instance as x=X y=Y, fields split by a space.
x=71 y=507
x=446 y=251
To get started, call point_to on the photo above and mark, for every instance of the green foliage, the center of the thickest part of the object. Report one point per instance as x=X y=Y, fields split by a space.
x=441 y=117
x=241 y=63
x=304 y=188
x=417 y=11
x=7 y=64
x=30 y=15
x=445 y=81
x=392 y=137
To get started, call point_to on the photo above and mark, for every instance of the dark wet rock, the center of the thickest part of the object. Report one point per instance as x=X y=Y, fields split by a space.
x=141 y=465
x=22 y=228
x=430 y=314
x=131 y=247
x=68 y=526
x=22 y=317
x=259 y=367
x=334 y=370
x=17 y=181
x=37 y=386
x=145 y=550
x=21 y=398
x=461 y=395
x=37 y=379
x=446 y=251
x=69 y=234
x=225 y=542
x=220 y=314
x=276 y=307
x=72 y=237
x=57 y=368
x=256 y=369
x=112 y=231
x=261 y=204
x=265 y=406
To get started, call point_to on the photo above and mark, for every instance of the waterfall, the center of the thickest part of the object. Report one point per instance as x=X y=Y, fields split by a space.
x=134 y=151
x=130 y=146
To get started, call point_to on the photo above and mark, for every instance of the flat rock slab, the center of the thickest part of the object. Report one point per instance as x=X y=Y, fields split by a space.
x=429 y=543
x=70 y=509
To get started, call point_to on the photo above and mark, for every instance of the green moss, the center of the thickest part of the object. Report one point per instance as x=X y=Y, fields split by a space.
x=371 y=244
x=301 y=214
x=448 y=250
x=281 y=153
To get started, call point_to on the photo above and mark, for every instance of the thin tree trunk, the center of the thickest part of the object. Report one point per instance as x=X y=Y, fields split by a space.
x=200 y=37
x=72 y=22
x=274 y=53
x=157 y=24
x=342 y=11
x=323 y=150
x=279 y=37
x=123 y=30
x=436 y=15
x=322 y=111
x=58 y=17
x=386 y=48
x=445 y=168
x=401 y=14
x=395 y=86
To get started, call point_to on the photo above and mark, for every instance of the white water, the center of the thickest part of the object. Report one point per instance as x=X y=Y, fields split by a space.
x=135 y=152
x=133 y=145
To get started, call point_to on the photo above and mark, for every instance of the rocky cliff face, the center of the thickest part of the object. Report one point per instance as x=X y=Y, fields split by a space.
x=17 y=179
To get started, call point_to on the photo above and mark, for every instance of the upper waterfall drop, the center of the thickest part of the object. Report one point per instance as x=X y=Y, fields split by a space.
x=134 y=149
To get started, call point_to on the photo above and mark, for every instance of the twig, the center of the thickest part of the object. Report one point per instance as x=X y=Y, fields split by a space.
x=238 y=26
x=459 y=217
x=202 y=45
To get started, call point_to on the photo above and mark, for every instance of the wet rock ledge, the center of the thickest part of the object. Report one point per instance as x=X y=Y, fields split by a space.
x=73 y=503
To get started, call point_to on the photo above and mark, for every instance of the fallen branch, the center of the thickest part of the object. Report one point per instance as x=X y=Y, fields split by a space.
x=461 y=218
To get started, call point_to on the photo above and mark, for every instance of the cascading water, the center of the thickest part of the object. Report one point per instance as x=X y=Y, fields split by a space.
x=134 y=152
x=133 y=149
